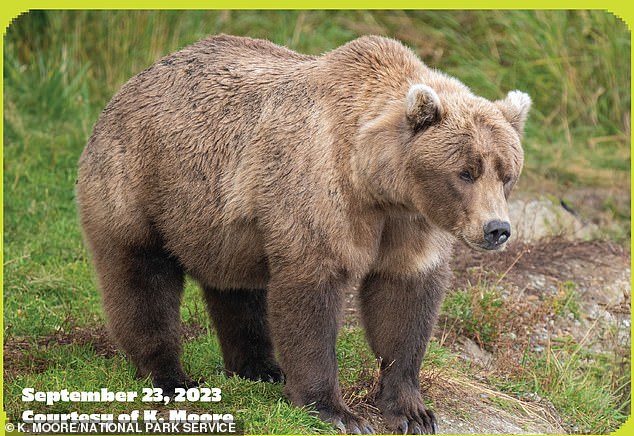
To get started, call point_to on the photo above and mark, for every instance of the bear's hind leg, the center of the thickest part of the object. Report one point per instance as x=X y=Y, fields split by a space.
x=240 y=319
x=142 y=289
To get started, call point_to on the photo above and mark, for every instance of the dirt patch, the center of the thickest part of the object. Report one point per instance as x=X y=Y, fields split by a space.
x=23 y=355
x=467 y=406
x=556 y=260
x=536 y=279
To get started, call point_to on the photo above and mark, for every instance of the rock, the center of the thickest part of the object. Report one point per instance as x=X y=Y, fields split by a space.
x=472 y=352
x=535 y=219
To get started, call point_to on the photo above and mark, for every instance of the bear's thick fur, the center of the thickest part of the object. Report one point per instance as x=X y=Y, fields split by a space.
x=281 y=181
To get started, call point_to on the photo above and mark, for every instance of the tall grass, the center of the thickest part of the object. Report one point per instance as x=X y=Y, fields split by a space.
x=574 y=64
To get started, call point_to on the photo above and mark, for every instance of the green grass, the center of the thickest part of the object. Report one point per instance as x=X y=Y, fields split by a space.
x=587 y=388
x=475 y=312
x=577 y=382
x=61 y=68
x=566 y=301
x=257 y=407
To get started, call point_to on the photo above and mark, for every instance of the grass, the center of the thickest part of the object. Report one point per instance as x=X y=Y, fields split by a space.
x=585 y=386
x=475 y=312
x=566 y=301
x=61 y=68
x=576 y=381
x=257 y=407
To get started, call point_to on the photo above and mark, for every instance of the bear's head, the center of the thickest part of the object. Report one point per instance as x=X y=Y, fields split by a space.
x=452 y=157
x=464 y=158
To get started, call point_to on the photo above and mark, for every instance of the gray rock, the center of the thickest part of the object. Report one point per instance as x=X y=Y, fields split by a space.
x=535 y=219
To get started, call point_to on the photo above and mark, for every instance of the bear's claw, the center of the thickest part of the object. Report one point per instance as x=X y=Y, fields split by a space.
x=422 y=422
x=169 y=385
x=267 y=372
x=347 y=423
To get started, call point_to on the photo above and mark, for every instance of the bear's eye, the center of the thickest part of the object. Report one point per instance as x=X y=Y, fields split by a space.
x=466 y=176
x=506 y=180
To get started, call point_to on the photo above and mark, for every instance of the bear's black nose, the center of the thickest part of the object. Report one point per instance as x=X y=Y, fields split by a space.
x=497 y=232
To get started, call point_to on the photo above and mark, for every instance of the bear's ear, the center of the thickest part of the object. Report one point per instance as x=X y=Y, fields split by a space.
x=422 y=107
x=515 y=109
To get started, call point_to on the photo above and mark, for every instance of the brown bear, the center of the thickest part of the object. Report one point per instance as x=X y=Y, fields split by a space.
x=279 y=182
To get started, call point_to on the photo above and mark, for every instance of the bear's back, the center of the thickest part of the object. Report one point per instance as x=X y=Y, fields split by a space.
x=203 y=98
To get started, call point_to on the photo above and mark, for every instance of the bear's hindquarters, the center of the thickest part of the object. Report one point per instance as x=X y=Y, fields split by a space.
x=141 y=291
x=240 y=319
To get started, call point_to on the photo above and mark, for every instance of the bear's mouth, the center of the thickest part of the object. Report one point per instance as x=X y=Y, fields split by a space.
x=483 y=245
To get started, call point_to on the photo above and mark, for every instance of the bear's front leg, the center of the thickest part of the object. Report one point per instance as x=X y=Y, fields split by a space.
x=399 y=312
x=305 y=319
